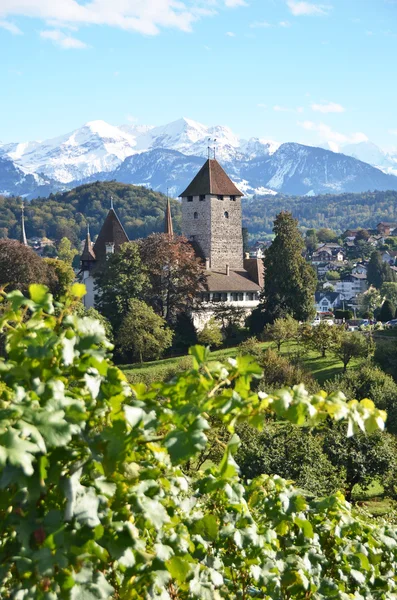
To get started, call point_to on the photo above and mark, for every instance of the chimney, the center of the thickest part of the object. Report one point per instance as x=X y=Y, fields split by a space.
x=227 y=270
x=207 y=264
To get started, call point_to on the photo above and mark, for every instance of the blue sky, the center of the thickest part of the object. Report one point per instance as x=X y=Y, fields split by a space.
x=288 y=70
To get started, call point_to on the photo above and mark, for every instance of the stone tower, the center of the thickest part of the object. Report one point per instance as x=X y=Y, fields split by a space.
x=211 y=217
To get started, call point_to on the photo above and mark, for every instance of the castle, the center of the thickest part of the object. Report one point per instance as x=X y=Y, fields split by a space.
x=212 y=222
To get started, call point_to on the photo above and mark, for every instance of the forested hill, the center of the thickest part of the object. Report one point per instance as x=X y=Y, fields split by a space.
x=337 y=212
x=140 y=210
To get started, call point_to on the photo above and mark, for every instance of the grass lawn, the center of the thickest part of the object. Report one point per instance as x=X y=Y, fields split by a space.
x=322 y=369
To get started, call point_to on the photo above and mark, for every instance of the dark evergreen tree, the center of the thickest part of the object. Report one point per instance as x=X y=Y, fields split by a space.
x=387 y=311
x=185 y=333
x=290 y=282
x=378 y=271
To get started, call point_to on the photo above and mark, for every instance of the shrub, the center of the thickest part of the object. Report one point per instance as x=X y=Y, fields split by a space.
x=98 y=500
x=210 y=335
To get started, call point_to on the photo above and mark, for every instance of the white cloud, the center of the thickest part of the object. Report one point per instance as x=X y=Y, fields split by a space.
x=10 y=27
x=260 y=24
x=144 y=16
x=393 y=131
x=299 y=9
x=230 y=34
x=328 y=107
x=285 y=24
x=61 y=39
x=234 y=3
x=334 y=138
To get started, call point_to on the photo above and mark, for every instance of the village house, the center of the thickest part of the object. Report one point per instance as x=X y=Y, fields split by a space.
x=386 y=228
x=351 y=286
x=328 y=301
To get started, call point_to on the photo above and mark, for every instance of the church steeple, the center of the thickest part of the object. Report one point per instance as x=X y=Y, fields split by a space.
x=168 y=227
x=88 y=256
x=22 y=238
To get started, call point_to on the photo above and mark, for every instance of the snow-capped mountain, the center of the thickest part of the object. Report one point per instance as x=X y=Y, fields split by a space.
x=372 y=154
x=169 y=156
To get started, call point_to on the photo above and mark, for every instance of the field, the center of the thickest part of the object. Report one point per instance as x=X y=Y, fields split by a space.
x=322 y=369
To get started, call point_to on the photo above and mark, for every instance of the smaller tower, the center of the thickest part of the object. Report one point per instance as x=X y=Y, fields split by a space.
x=88 y=258
x=168 y=227
x=22 y=238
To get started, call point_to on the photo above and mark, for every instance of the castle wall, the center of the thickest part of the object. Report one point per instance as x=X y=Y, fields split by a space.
x=217 y=228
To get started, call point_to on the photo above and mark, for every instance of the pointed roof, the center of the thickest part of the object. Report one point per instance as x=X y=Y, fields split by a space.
x=211 y=179
x=168 y=227
x=112 y=232
x=88 y=252
x=22 y=238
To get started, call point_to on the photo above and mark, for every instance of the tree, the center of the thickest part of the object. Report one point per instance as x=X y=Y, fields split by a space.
x=211 y=334
x=333 y=275
x=361 y=458
x=66 y=252
x=389 y=292
x=281 y=331
x=321 y=338
x=122 y=278
x=185 y=333
x=362 y=235
x=290 y=452
x=311 y=241
x=99 y=500
x=326 y=235
x=143 y=334
x=290 y=282
x=20 y=266
x=370 y=301
x=387 y=311
x=351 y=345
x=175 y=274
x=61 y=276
x=378 y=272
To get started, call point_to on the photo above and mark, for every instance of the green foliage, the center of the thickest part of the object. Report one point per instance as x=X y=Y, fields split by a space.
x=321 y=338
x=378 y=272
x=370 y=300
x=343 y=314
x=290 y=282
x=351 y=345
x=20 y=266
x=62 y=276
x=211 y=334
x=281 y=331
x=81 y=311
x=387 y=311
x=389 y=292
x=65 y=214
x=66 y=252
x=278 y=371
x=336 y=211
x=370 y=381
x=122 y=278
x=98 y=502
x=386 y=356
x=333 y=275
x=185 y=333
x=292 y=453
x=143 y=335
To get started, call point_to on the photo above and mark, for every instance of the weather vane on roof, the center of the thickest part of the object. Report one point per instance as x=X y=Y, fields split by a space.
x=111 y=203
x=214 y=148
x=209 y=147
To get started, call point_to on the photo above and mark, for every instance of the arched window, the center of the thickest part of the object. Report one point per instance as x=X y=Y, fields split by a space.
x=226 y=214
x=195 y=215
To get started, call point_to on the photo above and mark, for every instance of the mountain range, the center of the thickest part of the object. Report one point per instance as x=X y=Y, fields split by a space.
x=169 y=156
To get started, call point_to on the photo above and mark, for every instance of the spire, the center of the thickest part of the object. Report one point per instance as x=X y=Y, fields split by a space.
x=88 y=252
x=168 y=227
x=23 y=239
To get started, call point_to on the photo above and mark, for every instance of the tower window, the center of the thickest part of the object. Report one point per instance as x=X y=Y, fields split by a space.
x=202 y=197
x=195 y=215
x=226 y=214
x=233 y=198
x=190 y=198
x=220 y=197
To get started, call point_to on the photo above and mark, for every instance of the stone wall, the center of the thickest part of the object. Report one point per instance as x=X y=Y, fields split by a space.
x=217 y=226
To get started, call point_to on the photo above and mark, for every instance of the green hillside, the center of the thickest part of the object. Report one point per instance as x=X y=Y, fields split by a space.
x=66 y=214
x=337 y=212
